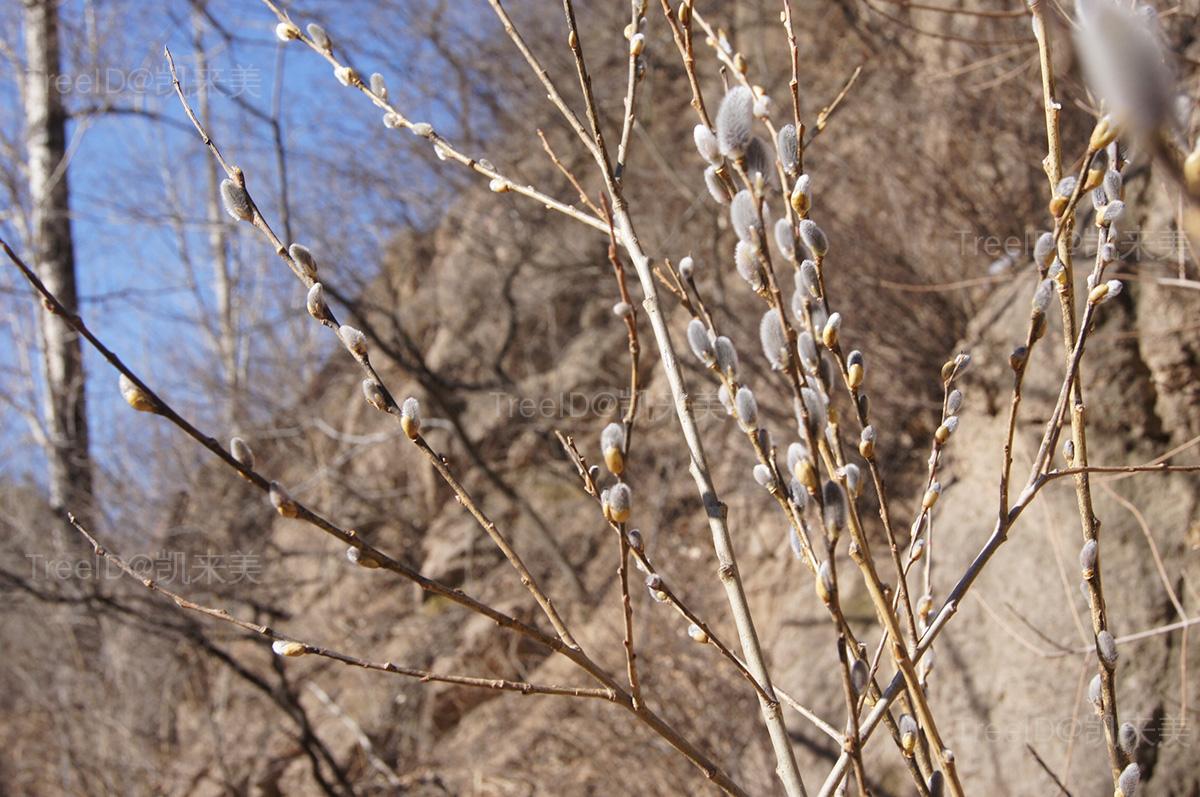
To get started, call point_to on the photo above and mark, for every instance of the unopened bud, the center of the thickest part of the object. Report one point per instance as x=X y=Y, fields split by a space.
x=136 y=397
x=241 y=451
x=304 y=260
x=282 y=647
x=829 y=335
x=908 y=735
x=747 y=408
x=236 y=200
x=373 y=393
x=361 y=558
x=612 y=446
x=410 y=417
x=319 y=37
x=315 y=302
x=286 y=32
x=1106 y=646
x=618 y=504
x=824 y=583
x=282 y=502
x=1128 y=780
x=354 y=340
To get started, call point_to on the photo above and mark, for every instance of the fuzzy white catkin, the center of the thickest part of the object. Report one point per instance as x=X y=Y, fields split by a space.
x=687 y=267
x=304 y=260
x=373 y=393
x=319 y=36
x=801 y=197
x=1043 y=250
x=786 y=143
x=1129 y=779
x=612 y=438
x=1087 y=558
x=242 y=452
x=1114 y=185
x=763 y=475
x=1066 y=186
x=735 y=121
x=236 y=200
x=774 y=344
x=315 y=302
x=702 y=346
x=808 y=352
x=853 y=479
x=706 y=144
x=354 y=340
x=727 y=358
x=796 y=453
x=622 y=309
x=1107 y=646
x=286 y=32
x=747 y=408
x=743 y=213
x=1112 y=212
x=806 y=279
x=725 y=399
x=784 y=239
x=814 y=238
x=715 y=187
x=859 y=673
x=620 y=500
x=745 y=259
x=378 y=86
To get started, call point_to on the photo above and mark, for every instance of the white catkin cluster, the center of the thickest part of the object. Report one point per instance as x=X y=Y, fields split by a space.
x=735 y=122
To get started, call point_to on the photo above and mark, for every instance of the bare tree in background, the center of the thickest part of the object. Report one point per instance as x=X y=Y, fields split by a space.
x=66 y=432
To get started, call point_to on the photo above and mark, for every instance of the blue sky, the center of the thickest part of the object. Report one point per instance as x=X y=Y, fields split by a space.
x=138 y=186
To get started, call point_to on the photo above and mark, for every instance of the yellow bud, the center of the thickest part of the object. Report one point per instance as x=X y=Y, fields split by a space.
x=854 y=375
x=292 y=649
x=806 y=474
x=1103 y=134
x=1098 y=293
x=739 y=63
x=942 y=434
x=867 y=449
x=136 y=397
x=614 y=460
x=931 y=497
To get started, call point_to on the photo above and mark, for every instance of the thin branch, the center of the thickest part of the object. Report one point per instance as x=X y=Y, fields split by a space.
x=306 y=648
